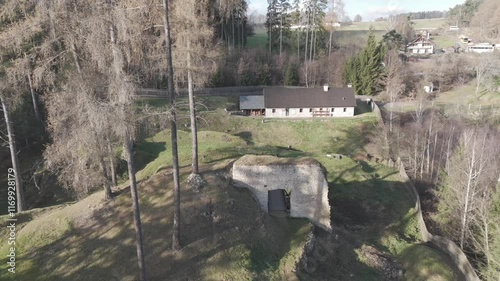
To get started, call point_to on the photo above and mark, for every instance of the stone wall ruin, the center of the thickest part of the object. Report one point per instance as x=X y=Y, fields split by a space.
x=303 y=178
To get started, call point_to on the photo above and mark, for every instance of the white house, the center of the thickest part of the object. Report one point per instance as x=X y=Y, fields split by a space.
x=285 y=102
x=421 y=45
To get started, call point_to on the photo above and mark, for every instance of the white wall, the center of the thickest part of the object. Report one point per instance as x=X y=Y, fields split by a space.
x=306 y=112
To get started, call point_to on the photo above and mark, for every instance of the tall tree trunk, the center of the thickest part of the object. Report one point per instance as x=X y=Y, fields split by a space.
x=232 y=23
x=314 y=45
x=468 y=195
x=112 y=163
x=176 y=245
x=281 y=34
x=129 y=150
x=427 y=168
x=33 y=98
x=313 y=32
x=75 y=57
x=242 y=34
x=13 y=155
x=415 y=156
x=330 y=44
x=108 y=193
x=434 y=156
x=307 y=37
x=391 y=114
x=270 y=35
x=52 y=26
x=448 y=151
x=298 y=45
x=192 y=113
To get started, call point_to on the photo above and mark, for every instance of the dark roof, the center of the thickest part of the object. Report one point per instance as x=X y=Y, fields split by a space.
x=282 y=97
x=251 y=102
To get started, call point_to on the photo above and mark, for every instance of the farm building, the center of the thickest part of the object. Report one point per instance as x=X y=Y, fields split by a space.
x=309 y=102
x=252 y=105
x=300 y=102
x=421 y=45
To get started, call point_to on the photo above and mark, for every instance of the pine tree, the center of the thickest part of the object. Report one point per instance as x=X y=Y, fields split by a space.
x=292 y=77
x=264 y=75
x=365 y=71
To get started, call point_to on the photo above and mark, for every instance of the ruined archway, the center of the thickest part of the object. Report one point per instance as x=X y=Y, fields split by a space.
x=303 y=178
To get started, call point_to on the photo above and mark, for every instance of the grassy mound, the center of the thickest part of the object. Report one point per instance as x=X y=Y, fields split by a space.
x=224 y=233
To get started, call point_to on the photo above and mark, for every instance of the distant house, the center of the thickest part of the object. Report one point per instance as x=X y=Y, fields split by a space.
x=309 y=102
x=421 y=45
x=252 y=105
x=454 y=27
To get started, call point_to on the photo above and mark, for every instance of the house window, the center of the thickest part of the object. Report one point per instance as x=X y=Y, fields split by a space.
x=300 y=110
x=310 y=110
x=345 y=109
x=274 y=110
x=333 y=109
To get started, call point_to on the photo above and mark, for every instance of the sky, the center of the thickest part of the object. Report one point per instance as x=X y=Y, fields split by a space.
x=372 y=9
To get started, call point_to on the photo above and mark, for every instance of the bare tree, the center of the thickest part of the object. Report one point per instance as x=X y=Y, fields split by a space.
x=487 y=20
x=121 y=91
x=195 y=55
x=485 y=67
x=173 y=124
x=466 y=183
x=394 y=81
x=13 y=151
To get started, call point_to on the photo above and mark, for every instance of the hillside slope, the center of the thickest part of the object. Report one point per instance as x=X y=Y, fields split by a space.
x=225 y=234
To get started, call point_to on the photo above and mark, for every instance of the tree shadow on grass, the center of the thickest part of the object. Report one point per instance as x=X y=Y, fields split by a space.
x=354 y=140
x=246 y=136
x=146 y=152
x=235 y=152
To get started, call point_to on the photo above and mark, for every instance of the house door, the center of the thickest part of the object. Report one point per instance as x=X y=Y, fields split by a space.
x=287 y=112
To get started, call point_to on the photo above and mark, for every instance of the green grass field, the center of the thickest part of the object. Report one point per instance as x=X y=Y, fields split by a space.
x=258 y=40
x=225 y=235
x=445 y=40
x=381 y=25
x=358 y=32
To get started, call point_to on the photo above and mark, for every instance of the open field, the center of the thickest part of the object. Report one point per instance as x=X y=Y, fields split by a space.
x=259 y=40
x=459 y=100
x=358 y=32
x=225 y=235
x=381 y=25
x=445 y=40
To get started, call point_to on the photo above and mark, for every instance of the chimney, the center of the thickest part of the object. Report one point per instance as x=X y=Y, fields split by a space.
x=325 y=88
x=349 y=85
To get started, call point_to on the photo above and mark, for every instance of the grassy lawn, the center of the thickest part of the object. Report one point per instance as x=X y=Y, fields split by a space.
x=225 y=234
x=466 y=94
x=430 y=23
x=381 y=25
x=459 y=100
x=445 y=41
x=423 y=263
x=259 y=40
